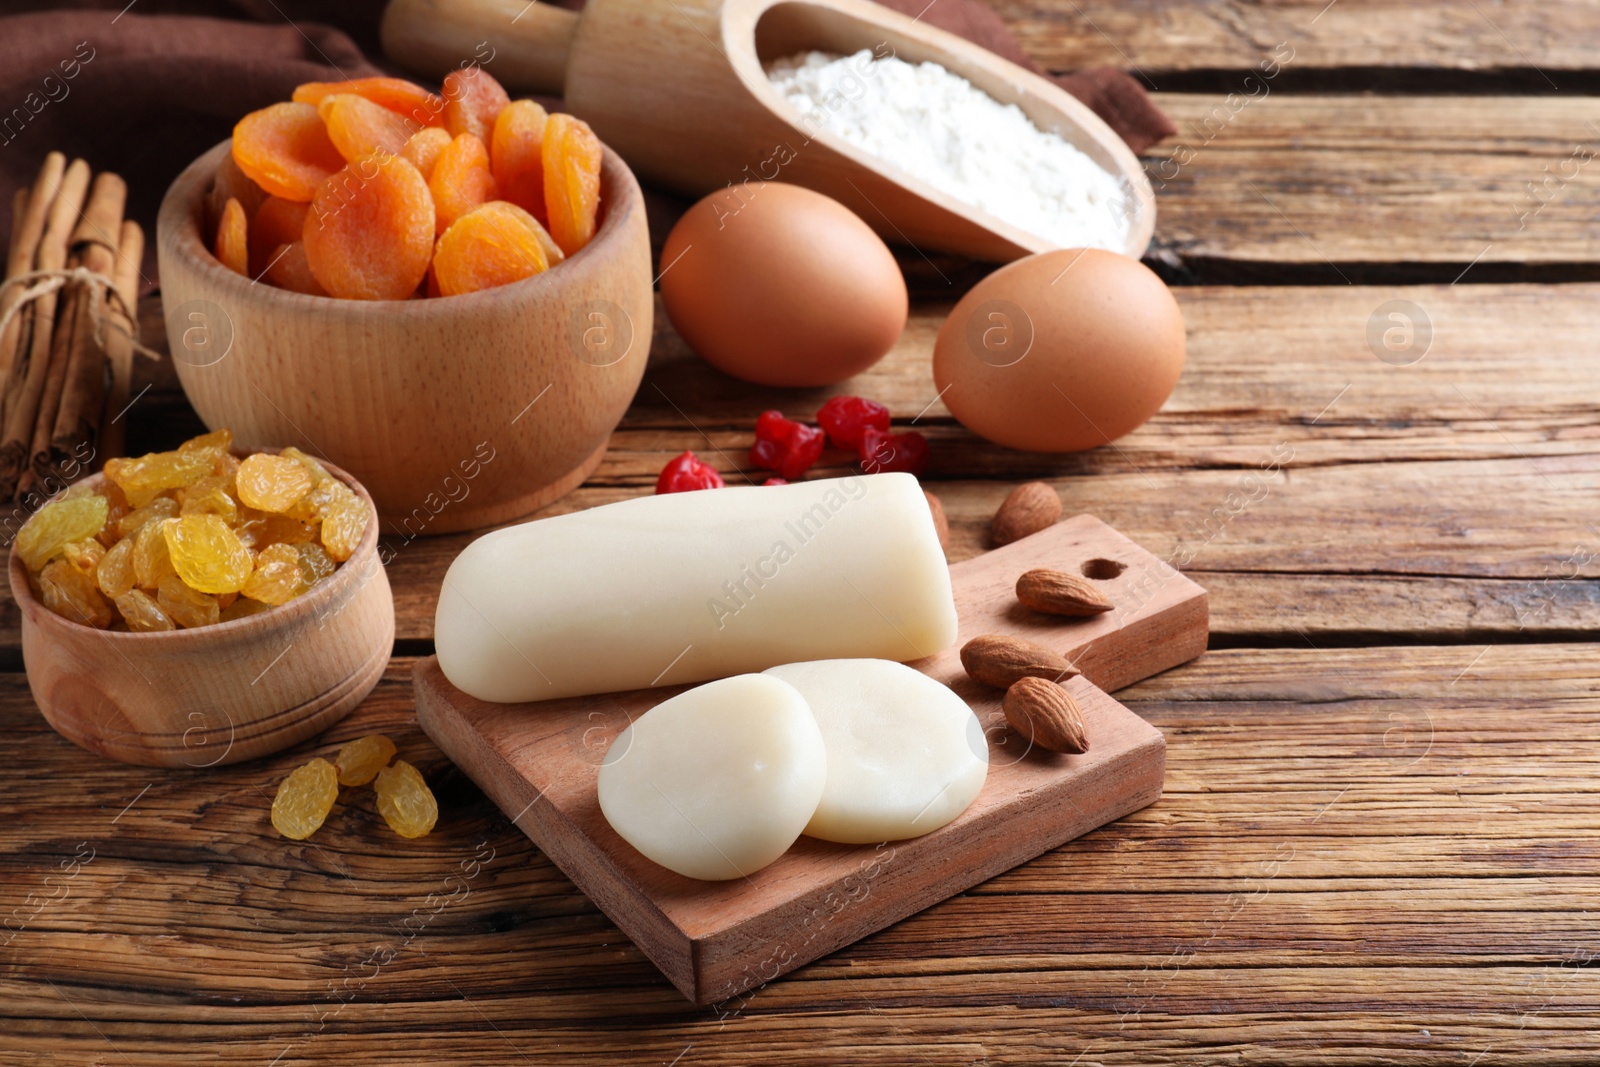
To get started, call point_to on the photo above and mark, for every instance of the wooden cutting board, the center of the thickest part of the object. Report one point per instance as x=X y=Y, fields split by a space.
x=713 y=940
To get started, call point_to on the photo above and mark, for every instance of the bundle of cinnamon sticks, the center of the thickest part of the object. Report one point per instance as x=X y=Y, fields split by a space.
x=66 y=354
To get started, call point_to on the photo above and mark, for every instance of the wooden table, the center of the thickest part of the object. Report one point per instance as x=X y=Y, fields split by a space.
x=1380 y=839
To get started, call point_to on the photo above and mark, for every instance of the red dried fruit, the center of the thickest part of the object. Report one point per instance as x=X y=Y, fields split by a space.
x=882 y=452
x=776 y=481
x=686 y=473
x=847 y=418
x=785 y=446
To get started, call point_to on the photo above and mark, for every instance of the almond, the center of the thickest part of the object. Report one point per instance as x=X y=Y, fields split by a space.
x=940 y=523
x=1031 y=507
x=1046 y=715
x=1060 y=593
x=1000 y=661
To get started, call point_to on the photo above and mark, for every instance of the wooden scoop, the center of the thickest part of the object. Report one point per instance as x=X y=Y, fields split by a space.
x=678 y=89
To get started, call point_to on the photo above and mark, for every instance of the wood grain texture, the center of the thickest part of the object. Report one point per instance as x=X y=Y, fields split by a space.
x=714 y=940
x=1354 y=37
x=679 y=90
x=1389 y=853
x=1321 y=181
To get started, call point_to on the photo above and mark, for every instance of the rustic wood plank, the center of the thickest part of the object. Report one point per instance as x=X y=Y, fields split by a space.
x=1362 y=855
x=1157 y=36
x=1319 y=181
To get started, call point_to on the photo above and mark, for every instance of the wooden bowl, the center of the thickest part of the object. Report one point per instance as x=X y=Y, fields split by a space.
x=214 y=694
x=455 y=412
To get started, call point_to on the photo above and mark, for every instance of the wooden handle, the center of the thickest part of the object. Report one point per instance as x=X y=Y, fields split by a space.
x=524 y=45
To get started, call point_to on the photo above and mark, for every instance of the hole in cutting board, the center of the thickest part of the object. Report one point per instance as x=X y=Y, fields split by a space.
x=1102 y=570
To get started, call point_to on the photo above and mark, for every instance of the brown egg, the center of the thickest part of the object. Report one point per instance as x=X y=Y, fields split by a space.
x=1060 y=351
x=780 y=285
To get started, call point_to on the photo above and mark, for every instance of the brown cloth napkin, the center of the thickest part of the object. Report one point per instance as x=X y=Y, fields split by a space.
x=142 y=88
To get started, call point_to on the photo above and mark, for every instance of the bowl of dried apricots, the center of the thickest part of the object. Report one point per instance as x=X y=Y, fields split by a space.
x=449 y=294
x=199 y=606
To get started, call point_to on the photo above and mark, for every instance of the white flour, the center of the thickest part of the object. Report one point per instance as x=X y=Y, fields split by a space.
x=938 y=127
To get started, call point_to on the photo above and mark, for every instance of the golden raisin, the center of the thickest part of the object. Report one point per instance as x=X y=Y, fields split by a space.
x=151 y=561
x=345 y=522
x=304 y=799
x=272 y=483
x=359 y=761
x=405 y=801
x=162 y=507
x=278 y=577
x=114 y=576
x=207 y=554
x=258 y=529
x=243 y=607
x=71 y=594
x=187 y=607
x=141 y=613
x=56 y=524
x=84 y=555
x=315 y=563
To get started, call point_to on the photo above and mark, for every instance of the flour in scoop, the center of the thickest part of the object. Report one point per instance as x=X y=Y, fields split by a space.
x=941 y=129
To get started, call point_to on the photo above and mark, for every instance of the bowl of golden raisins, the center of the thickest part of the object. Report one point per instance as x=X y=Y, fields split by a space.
x=202 y=606
x=449 y=294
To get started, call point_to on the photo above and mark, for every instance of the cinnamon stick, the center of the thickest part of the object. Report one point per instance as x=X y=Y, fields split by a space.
x=71 y=427
x=26 y=234
x=64 y=338
x=119 y=345
x=10 y=296
x=22 y=416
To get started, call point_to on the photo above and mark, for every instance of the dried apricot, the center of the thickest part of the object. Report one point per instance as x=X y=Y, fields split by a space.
x=358 y=127
x=571 y=181
x=424 y=148
x=485 y=248
x=461 y=180
x=359 y=761
x=289 y=269
x=272 y=483
x=231 y=183
x=515 y=154
x=405 y=801
x=276 y=223
x=304 y=799
x=233 y=239
x=186 y=607
x=396 y=94
x=58 y=523
x=72 y=594
x=472 y=101
x=141 y=613
x=370 y=232
x=207 y=554
x=285 y=149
